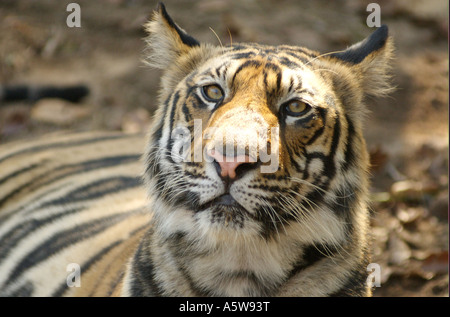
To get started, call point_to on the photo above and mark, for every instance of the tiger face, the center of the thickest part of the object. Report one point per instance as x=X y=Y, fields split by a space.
x=260 y=141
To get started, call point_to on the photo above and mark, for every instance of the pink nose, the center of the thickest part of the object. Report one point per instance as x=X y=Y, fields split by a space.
x=228 y=165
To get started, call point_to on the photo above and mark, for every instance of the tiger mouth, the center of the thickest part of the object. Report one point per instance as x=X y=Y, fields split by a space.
x=224 y=201
x=226 y=210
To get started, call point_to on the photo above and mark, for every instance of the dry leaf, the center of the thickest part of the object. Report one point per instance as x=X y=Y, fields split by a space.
x=436 y=262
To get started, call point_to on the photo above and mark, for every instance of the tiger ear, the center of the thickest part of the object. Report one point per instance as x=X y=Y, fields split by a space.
x=166 y=40
x=370 y=59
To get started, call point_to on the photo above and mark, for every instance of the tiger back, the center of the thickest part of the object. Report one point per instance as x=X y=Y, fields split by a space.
x=69 y=200
x=252 y=181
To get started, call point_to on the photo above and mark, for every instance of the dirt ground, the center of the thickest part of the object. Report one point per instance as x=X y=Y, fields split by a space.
x=407 y=133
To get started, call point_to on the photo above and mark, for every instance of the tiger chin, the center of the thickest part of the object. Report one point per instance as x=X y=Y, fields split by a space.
x=256 y=173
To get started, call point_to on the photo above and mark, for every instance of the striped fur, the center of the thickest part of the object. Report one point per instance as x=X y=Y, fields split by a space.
x=299 y=230
x=59 y=198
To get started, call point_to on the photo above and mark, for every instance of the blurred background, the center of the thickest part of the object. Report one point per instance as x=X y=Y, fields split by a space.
x=407 y=133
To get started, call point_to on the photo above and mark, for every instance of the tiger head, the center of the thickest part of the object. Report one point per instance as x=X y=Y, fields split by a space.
x=261 y=141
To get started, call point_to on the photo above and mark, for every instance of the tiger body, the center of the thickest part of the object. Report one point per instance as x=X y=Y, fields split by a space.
x=58 y=210
x=197 y=225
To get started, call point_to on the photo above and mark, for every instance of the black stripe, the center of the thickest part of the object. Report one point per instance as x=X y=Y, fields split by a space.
x=268 y=93
x=175 y=99
x=329 y=168
x=168 y=149
x=186 y=112
x=275 y=68
x=19 y=172
x=82 y=167
x=191 y=79
x=311 y=255
x=249 y=63
x=291 y=85
x=242 y=55
x=218 y=70
x=187 y=198
x=302 y=122
x=64 y=239
x=356 y=283
x=270 y=219
x=25 y=290
x=356 y=54
x=284 y=141
x=334 y=143
x=115 y=282
x=117 y=279
x=143 y=282
x=343 y=205
x=272 y=92
x=222 y=70
x=296 y=50
x=328 y=160
x=73 y=169
x=297 y=57
x=179 y=247
x=199 y=102
x=157 y=134
x=289 y=63
x=65 y=144
x=85 y=267
x=279 y=77
x=350 y=157
x=323 y=115
x=184 y=37
x=19 y=232
x=294 y=162
x=151 y=162
x=96 y=190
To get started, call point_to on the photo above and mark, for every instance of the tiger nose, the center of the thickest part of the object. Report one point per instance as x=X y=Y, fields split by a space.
x=232 y=167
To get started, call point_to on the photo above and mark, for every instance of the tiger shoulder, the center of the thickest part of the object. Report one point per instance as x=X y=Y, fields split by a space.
x=252 y=181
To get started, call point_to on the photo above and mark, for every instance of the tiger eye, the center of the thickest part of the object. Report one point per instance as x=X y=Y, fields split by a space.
x=296 y=107
x=213 y=92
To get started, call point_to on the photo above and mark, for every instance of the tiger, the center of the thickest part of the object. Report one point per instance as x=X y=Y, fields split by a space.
x=253 y=180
